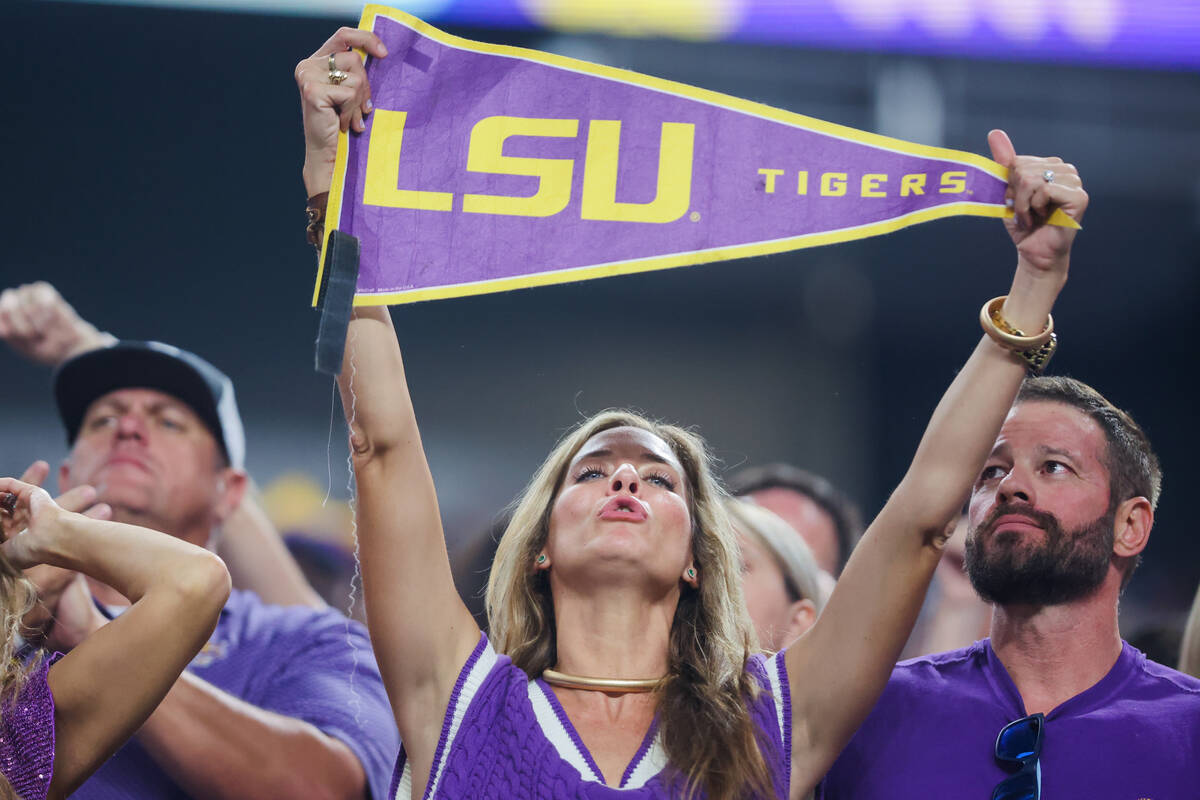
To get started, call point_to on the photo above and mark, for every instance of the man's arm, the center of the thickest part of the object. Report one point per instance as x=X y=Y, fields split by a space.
x=216 y=746
x=40 y=325
x=258 y=559
x=313 y=721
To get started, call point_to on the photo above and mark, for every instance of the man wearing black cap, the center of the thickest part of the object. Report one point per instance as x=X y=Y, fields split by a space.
x=153 y=450
x=40 y=325
x=282 y=701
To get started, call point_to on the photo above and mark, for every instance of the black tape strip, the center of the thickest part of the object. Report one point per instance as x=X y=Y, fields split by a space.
x=338 y=284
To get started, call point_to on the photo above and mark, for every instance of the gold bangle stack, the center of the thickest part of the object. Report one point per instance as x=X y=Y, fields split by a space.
x=1035 y=351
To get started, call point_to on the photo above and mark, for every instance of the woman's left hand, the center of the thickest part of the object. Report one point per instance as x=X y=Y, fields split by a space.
x=1036 y=187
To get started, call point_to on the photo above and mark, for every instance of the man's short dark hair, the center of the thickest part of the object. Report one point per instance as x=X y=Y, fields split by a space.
x=1133 y=468
x=847 y=519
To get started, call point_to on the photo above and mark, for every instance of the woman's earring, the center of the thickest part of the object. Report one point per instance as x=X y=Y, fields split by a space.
x=691 y=572
x=541 y=559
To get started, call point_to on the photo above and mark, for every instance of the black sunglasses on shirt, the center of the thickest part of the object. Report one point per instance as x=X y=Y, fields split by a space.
x=1019 y=747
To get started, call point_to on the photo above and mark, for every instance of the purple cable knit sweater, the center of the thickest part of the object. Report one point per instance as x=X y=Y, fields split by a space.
x=506 y=737
x=27 y=735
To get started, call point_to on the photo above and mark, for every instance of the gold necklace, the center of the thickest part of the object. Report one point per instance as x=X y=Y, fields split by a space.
x=556 y=678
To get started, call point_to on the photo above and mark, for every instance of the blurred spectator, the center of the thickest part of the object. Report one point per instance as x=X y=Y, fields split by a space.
x=280 y=701
x=1059 y=518
x=318 y=532
x=37 y=323
x=827 y=519
x=1189 y=657
x=331 y=570
x=472 y=562
x=780 y=577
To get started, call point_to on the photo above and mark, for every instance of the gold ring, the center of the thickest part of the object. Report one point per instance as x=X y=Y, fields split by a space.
x=336 y=76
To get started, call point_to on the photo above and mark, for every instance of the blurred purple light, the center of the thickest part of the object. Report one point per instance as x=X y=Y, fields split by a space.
x=1136 y=33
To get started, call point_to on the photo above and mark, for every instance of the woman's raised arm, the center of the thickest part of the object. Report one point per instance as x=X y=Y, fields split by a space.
x=421 y=631
x=106 y=687
x=838 y=670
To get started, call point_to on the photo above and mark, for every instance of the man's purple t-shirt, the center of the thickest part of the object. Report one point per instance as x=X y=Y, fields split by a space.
x=27 y=735
x=312 y=665
x=505 y=736
x=1133 y=735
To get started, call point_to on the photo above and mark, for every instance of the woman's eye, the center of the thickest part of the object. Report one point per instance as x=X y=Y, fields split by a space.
x=589 y=473
x=660 y=479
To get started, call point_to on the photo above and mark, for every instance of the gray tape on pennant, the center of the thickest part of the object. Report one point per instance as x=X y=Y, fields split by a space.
x=336 y=299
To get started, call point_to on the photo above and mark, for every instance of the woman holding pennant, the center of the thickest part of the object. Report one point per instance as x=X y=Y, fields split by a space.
x=619 y=652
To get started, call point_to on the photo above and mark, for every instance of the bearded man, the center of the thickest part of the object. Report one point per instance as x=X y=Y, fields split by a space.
x=1054 y=703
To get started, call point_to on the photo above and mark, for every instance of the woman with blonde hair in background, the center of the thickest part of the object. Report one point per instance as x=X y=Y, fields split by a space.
x=62 y=716
x=780 y=577
x=620 y=653
x=1189 y=649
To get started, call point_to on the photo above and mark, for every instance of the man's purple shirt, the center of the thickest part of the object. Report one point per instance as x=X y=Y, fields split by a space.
x=316 y=666
x=1134 y=735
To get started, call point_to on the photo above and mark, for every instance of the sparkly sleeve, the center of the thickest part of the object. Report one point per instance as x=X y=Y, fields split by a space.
x=27 y=735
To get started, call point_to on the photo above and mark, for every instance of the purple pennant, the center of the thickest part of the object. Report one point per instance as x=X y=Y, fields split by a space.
x=486 y=168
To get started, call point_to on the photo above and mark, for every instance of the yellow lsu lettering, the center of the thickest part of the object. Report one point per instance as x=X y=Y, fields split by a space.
x=871 y=184
x=383 y=167
x=673 y=191
x=484 y=154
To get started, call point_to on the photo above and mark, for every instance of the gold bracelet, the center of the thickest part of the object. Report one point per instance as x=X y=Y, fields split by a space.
x=1035 y=351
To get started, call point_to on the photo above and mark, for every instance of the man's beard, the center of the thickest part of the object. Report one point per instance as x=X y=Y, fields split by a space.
x=1065 y=567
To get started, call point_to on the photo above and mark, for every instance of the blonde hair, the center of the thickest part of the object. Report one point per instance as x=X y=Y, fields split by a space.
x=792 y=554
x=707 y=686
x=1189 y=650
x=17 y=597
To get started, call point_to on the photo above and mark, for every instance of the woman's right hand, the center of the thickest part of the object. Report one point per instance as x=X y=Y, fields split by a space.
x=329 y=108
